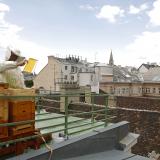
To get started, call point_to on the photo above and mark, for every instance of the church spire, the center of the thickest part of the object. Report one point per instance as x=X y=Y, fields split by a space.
x=111 y=61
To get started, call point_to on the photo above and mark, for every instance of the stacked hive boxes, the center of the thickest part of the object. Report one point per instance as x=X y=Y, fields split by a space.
x=3 y=111
x=15 y=110
x=21 y=111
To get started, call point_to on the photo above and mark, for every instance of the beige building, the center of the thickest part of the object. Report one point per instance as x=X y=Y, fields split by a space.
x=67 y=75
x=60 y=72
x=131 y=88
x=47 y=77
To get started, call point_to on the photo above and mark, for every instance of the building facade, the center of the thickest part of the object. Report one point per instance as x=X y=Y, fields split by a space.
x=131 y=88
x=65 y=73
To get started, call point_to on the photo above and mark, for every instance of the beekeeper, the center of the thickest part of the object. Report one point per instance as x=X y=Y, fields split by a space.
x=10 y=71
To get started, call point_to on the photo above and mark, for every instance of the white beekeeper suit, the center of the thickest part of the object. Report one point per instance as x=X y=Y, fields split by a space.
x=10 y=71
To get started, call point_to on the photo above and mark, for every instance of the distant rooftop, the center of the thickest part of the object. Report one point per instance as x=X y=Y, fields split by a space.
x=70 y=59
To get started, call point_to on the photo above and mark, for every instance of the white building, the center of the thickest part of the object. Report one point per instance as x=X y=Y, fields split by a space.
x=69 y=72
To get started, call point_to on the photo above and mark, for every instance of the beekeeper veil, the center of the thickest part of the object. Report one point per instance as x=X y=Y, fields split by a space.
x=11 y=51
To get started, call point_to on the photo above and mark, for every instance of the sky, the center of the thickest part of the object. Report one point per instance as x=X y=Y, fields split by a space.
x=86 y=28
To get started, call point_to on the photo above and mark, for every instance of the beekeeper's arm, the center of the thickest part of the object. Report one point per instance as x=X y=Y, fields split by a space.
x=6 y=65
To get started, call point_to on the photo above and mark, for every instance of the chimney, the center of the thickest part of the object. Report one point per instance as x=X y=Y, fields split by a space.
x=51 y=59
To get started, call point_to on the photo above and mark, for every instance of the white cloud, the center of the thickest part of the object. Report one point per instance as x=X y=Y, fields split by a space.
x=88 y=7
x=154 y=14
x=4 y=7
x=8 y=32
x=9 y=36
x=135 y=10
x=144 y=7
x=145 y=45
x=111 y=13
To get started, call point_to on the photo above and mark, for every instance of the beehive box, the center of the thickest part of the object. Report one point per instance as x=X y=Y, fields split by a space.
x=21 y=129
x=3 y=89
x=3 y=85
x=3 y=111
x=21 y=92
x=21 y=111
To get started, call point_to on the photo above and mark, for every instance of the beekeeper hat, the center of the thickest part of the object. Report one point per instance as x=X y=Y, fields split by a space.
x=13 y=50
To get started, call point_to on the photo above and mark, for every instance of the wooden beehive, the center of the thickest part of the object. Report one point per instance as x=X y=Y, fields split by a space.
x=3 y=118
x=3 y=111
x=21 y=111
x=20 y=92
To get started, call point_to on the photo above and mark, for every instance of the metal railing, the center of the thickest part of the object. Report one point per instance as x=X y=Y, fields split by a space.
x=68 y=126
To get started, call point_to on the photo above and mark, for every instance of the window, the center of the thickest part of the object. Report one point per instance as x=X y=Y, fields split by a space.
x=65 y=77
x=82 y=97
x=91 y=77
x=111 y=89
x=72 y=68
x=119 y=91
x=72 y=78
x=123 y=90
x=143 y=90
x=154 y=90
x=66 y=67
x=127 y=90
x=140 y=90
x=147 y=90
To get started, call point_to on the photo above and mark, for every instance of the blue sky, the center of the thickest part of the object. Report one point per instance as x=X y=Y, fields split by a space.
x=88 y=28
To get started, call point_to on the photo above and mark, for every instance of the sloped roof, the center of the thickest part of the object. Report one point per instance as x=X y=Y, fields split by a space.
x=124 y=74
x=70 y=60
x=148 y=66
x=153 y=74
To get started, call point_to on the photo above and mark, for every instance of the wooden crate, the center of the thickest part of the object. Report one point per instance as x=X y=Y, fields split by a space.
x=21 y=92
x=20 y=147
x=21 y=129
x=3 y=85
x=21 y=110
x=3 y=118
x=3 y=89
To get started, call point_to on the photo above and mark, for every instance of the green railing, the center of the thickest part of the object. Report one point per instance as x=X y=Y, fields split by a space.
x=68 y=125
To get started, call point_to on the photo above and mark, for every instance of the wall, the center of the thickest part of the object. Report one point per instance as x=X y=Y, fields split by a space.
x=145 y=103
x=53 y=70
x=143 y=69
x=143 y=113
x=85 y=78
x=131 y=89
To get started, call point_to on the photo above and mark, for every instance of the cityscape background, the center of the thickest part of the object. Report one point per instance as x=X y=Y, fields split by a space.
x=86 y=28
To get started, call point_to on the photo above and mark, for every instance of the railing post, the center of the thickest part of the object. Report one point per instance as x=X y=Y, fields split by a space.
x=39 y=104
x=106 y=109
x=66 y=116
x=92 y=109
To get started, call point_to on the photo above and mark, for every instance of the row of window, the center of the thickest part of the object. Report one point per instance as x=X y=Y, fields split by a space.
x=151 y=90
x=73 y=68
x=71 y=78
x=135 y=90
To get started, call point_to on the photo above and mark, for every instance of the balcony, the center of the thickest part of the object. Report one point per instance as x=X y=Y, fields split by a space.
x=69 y=85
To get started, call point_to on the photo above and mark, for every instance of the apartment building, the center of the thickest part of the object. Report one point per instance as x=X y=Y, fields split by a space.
x=66 y=73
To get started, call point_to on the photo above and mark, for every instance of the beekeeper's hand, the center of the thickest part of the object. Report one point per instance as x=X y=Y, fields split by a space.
x=22 y=63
